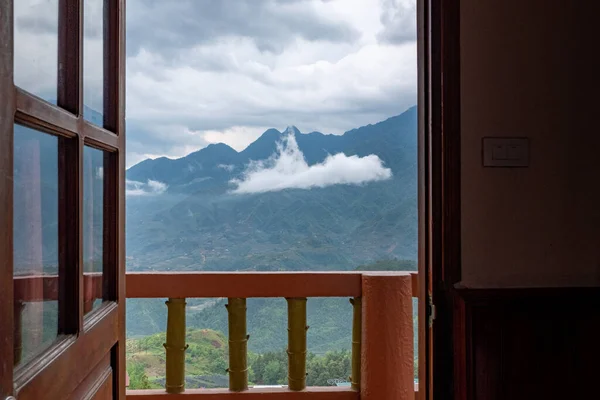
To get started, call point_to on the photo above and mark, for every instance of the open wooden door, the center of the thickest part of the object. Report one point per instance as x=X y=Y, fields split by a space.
x=62 y=160
x=424 y=312
x=439 y=196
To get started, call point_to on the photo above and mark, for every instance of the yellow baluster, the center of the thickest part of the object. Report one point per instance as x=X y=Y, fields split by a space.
x=297 y=343
x=356 y=338
x=238 y=345
x=175 y=345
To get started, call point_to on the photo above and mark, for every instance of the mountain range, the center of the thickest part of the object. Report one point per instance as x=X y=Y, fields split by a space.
x=185 y=214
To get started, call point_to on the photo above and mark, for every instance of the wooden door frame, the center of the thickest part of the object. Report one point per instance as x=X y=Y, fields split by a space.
x=101 y=333
x=7 y=112
x=439 y=194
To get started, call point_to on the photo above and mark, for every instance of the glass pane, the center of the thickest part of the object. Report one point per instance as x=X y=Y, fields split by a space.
x=93 y=201
x=35 y=242
x=36 y=47
x=93 y=64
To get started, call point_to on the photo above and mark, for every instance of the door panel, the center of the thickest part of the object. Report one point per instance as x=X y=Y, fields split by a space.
x=65 y=370
x=105 y=389
x=62 y=201
x=98 y=384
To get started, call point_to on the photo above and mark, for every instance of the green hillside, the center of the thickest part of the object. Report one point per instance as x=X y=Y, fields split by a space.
x=206 y=357
x=206 y=363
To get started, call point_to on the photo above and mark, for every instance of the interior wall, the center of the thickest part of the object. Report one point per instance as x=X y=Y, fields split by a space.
x=527 y=70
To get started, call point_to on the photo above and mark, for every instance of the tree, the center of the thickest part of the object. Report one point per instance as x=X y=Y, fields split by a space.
x=271 y=368
x=274 y=373
x=137 y=376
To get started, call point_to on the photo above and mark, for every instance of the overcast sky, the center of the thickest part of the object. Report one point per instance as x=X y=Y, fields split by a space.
x=208 y=71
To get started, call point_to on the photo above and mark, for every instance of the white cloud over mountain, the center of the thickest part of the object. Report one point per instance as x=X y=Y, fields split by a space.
x=287 y=169
x=149 y=188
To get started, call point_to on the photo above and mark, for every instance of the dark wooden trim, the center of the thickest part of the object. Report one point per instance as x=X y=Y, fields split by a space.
x=440 y=344
x=111 y=65
x=463 y=362
x=424 y=353
x=514 y=296
x=78 y=270
x=79 y=83
x=110 y=226
x=443 y=121
x=96 y=316
x=99 y=137
x=115 y=95
x=68 y=222
x=451 y=142
x=37 y=113
x=7 y=112
x=26 y=372
x=498 y=331
x=69 y=51
x=77 y=355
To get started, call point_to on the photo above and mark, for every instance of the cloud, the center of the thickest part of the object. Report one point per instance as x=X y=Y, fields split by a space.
x=399 y=19
x=93 y=49
x=226 y=167
x=287 y=169
x=169 y=27
x=151 y=187
x=36 y=47
x=364 y=86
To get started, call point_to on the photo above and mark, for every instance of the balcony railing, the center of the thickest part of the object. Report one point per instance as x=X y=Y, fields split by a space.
x=382 y=331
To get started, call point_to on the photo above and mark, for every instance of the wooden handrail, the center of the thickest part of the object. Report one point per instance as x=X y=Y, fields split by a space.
x=212 y=284
x=243 y=284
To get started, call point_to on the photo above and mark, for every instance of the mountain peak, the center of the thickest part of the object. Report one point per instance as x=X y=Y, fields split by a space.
x=291 y=130
x=221 y=147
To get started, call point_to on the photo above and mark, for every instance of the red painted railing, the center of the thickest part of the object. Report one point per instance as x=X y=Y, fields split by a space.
x=385 y=364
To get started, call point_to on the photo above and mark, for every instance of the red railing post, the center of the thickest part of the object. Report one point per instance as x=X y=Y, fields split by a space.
x=387 y=351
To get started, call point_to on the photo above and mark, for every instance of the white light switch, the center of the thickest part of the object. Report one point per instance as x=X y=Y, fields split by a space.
x=505 y=152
